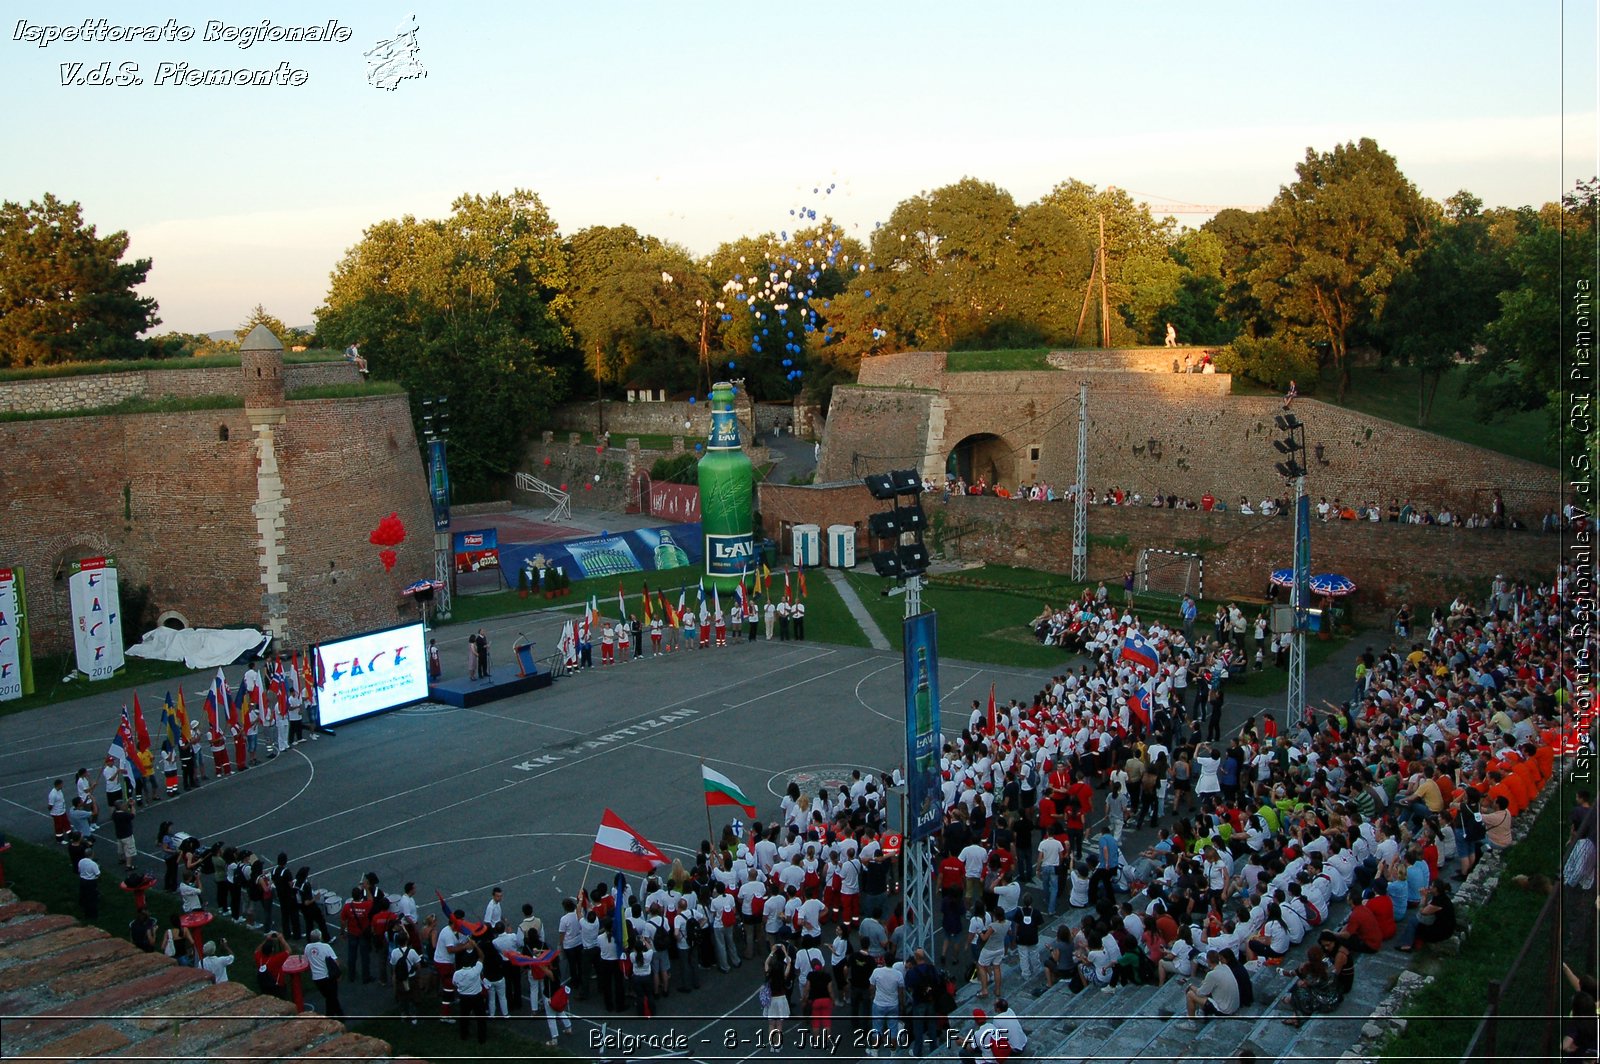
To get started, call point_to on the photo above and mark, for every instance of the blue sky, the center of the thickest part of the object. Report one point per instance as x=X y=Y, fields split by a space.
x=699 y=122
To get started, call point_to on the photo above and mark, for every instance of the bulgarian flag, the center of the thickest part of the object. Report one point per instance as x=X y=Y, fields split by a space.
x=648 y=615
x=616 y=845
x=720 y=790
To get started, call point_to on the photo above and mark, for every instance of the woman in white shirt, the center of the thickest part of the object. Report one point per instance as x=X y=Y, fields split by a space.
x=1206 y=764
x=644 y=959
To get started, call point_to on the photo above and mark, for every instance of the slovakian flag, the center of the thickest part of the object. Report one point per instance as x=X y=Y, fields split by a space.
x=121 y=741
x=616 y=845
x=720 y=790
x=993 y=722
x=1139 y=706
x=1140 y=652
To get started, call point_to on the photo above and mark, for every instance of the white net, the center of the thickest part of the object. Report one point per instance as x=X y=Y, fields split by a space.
x=1172 y=572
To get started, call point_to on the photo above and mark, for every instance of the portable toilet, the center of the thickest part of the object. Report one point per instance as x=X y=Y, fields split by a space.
x=842 y=546
x=807 y=545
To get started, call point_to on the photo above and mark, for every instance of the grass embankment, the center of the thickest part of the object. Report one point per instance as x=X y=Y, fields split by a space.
x=1002 y=361
x=161 y=404
x=1444 y=1014
x=1391 y=393
x=139 y=365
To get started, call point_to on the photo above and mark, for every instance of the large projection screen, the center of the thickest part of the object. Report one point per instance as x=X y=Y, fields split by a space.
x=367 y=674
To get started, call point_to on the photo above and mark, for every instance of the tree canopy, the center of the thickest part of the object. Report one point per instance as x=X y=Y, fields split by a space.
x=66 y=295
x=471 y=307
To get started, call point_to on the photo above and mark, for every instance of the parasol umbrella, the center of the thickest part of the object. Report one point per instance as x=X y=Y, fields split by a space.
x=423 y=586
x=1282 y=578
x=1332 y=584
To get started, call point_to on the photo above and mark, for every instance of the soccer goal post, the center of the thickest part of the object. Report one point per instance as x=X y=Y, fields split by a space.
x=1172 y=572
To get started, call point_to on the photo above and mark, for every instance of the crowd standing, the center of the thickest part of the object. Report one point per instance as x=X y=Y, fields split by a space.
x=1378 y=803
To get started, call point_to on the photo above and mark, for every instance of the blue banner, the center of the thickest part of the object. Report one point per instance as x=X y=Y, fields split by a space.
x=639 y=550
x=924 y=799
x=1302 y=562
x=439 y=485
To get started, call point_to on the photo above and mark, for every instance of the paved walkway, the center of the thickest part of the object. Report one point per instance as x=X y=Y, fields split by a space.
x=852 y=602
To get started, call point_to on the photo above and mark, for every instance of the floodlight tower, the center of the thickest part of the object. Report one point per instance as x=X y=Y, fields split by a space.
x=903 y=525
x=1293 y=447
x=1080 y=508
x=436 y=433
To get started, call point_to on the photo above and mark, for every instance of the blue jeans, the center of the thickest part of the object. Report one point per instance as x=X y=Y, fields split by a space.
x=1052 y=886
x=886 y=1018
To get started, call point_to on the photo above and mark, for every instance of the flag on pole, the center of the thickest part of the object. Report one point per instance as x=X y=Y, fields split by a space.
x=140 y=734
x=716 y=599
x=648 y=614
x=668 y=614
x=1139 y=706
x=700 y=595
x=616 y=845
x=169 y=722
x=122 y=741
x=743 y=595
x=469 y=927
x=568 y=644
x=993 y=723
x=766 y=578
x=682 y=601
x=594 y=611
x=1138 y=651
x=802 y=583
x=720 y=790
x=183 y=718
x=619 y=926
x=622 y=603
x=788 y=593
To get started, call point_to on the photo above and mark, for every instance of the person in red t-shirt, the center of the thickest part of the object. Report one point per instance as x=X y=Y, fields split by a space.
x=356 y=919
x=952 y=874
x=1381 y=906
x=270 y=956
x=1361 y=930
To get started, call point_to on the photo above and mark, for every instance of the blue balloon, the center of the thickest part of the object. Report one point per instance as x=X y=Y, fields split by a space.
x=786 y=362
x=868 y=293
x=697 y=446
x=604 y=534
x=691 y=400
x=730 y=365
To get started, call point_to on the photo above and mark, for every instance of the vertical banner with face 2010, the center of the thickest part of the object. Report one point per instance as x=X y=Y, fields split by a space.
x=96 y=617
x=16 y=654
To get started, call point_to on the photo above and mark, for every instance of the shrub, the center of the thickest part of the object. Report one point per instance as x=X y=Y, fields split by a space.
x=1271 y=362
x=676 y=468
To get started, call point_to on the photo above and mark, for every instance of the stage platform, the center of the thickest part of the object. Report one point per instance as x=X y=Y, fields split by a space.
x=502 y=683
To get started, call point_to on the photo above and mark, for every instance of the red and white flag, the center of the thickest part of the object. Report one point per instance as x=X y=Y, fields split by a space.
x=993 y=724
x=616 y=845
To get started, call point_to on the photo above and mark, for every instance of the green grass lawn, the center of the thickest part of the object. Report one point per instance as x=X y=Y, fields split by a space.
x=998 y=361
x=1499 y=928
x=49 y=688
x=1391 y=393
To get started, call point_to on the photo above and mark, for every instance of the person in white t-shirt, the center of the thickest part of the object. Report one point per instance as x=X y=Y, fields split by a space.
x=217 y=962
x=319 y=953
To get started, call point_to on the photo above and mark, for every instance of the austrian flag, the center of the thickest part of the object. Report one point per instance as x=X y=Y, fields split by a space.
x=616 y=845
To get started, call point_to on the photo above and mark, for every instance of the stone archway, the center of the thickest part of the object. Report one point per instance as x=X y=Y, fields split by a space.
x=983 y=455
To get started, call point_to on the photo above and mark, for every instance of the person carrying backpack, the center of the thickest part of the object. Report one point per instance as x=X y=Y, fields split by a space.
x=403 y=964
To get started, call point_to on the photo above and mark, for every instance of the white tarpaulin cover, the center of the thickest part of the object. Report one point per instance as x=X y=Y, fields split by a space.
x=199 y=648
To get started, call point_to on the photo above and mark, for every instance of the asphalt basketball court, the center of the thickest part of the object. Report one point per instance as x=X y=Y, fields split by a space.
x=510 y=793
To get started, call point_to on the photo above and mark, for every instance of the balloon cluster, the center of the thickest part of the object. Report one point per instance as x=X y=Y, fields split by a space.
x=780 y=293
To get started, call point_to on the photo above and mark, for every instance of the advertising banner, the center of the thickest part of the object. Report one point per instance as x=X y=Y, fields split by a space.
x=96 y=616
x=924 y=804
x=439 y=486
x=1301 y=597
x=675 y=501
x=640 y=550
x=16 y=655
x=476 y=550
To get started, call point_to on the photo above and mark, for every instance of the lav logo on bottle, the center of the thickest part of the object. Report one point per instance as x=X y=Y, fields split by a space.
x=727 y=484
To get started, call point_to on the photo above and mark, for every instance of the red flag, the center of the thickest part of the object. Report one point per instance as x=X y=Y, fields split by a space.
x=466 y=927
x=138 y=724
x=992 y=722
x=648 y=615
x=616 y=845
x=802 y=583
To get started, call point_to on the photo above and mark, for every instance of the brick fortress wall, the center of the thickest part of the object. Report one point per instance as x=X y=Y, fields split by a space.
x=1153 y=431
x=96 y=390
x=173 y=501
x=1389 y=563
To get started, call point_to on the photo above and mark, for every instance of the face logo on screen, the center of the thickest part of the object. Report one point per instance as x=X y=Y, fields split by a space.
x=357 y=669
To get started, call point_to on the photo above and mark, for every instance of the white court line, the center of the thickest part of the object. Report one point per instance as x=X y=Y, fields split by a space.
x=540 y=775
x=703 y=757
x=230 y=830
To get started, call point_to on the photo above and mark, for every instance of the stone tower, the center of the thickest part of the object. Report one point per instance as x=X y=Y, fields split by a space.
x=261 y=361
